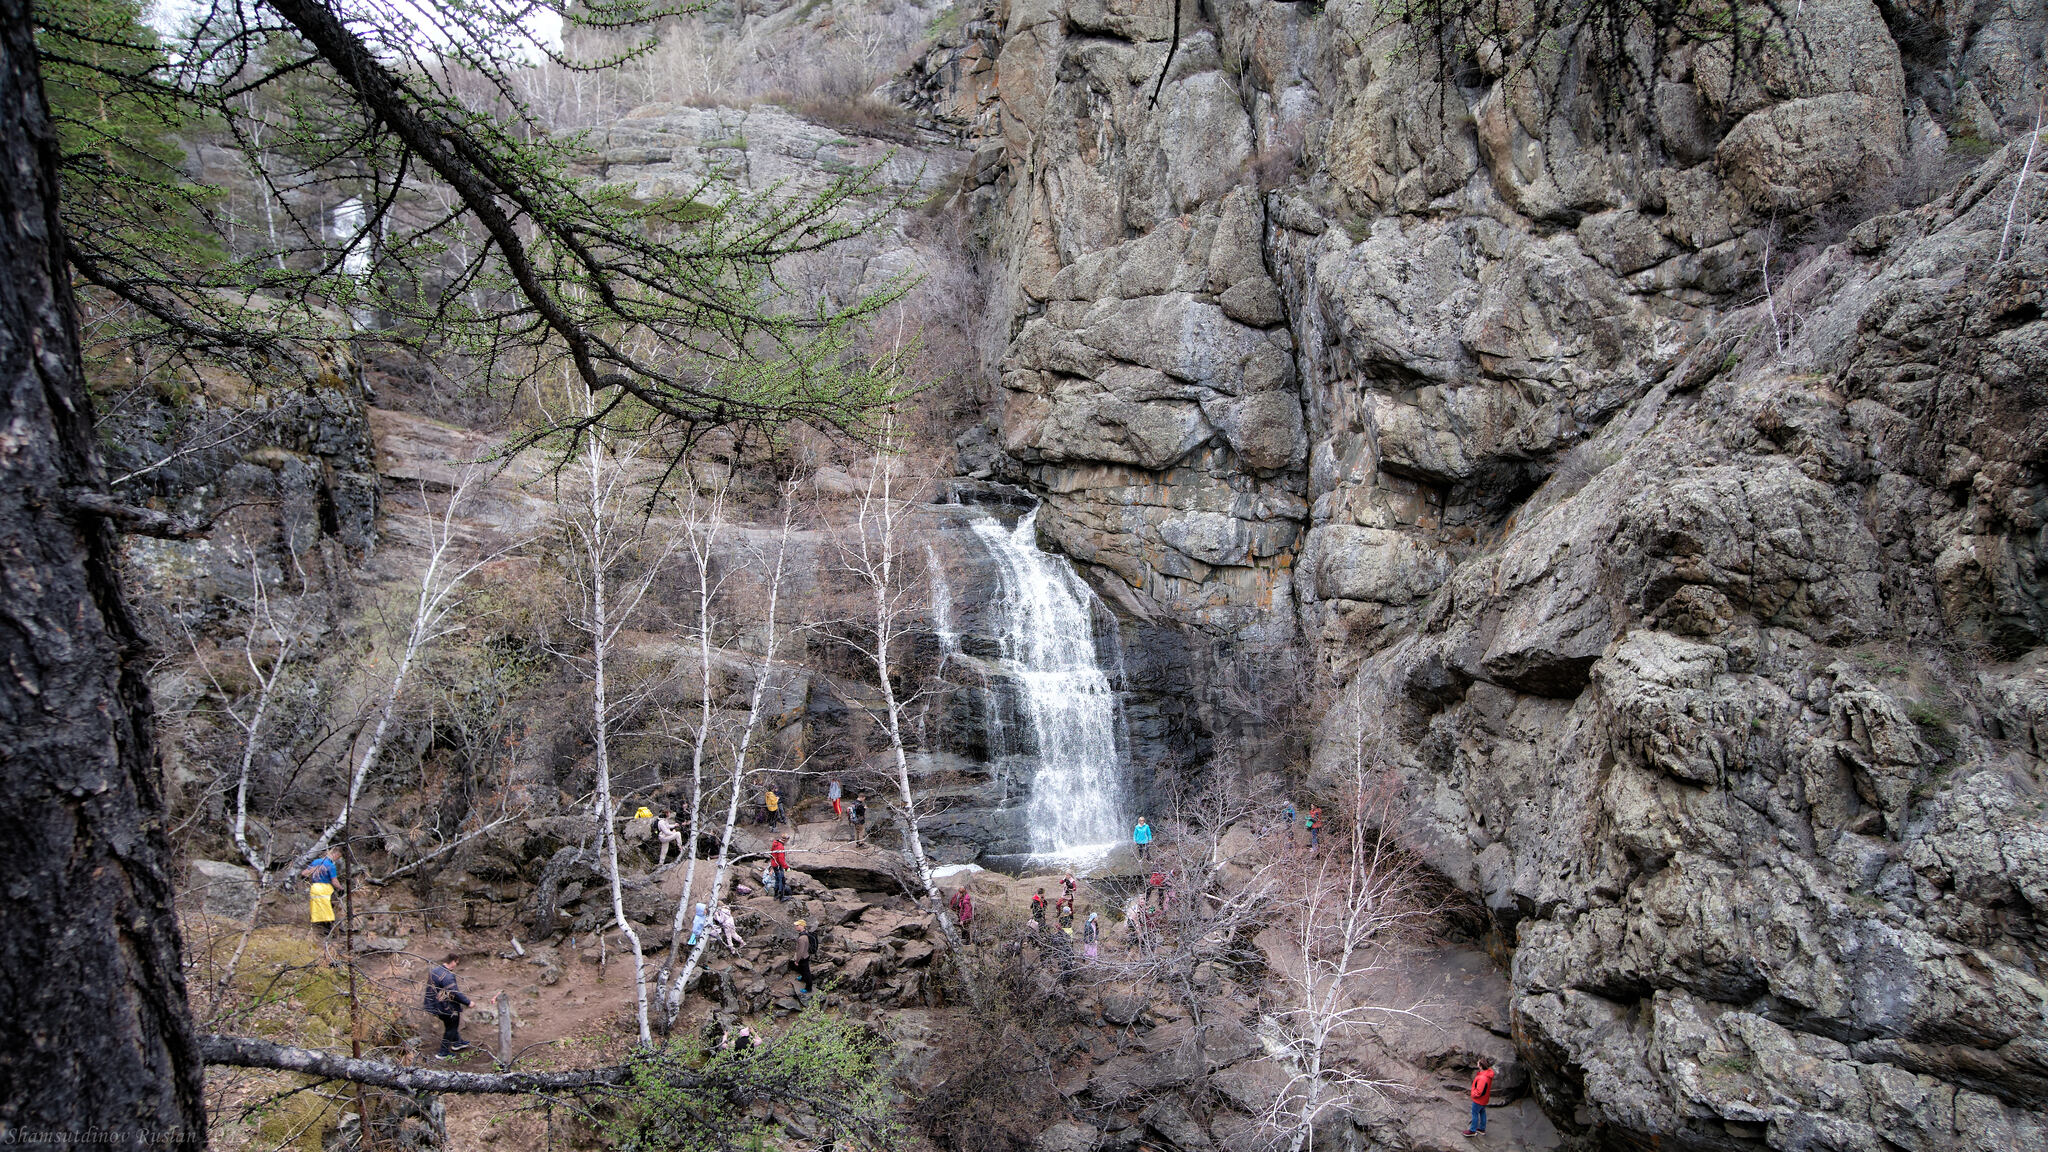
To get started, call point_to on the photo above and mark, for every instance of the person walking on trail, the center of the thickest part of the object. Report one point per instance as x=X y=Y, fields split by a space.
x=833 y=792
x=727 y=930
x=858 y=817
x=1287 y=818
x=963 y=910
x=806 y=945
x=697 y=925
x=1091 y=937
x=771 y=807
x=778 y=864
x=321 y=904
x=1314 y=824
x=1038 y=907
x=666 y=832
x=320 y=871
x=444 y=998
x=1142 y=837
x=1482 y=1092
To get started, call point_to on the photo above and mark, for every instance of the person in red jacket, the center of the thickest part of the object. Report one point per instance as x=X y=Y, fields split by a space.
x=778 y=863
x=1482 y=1091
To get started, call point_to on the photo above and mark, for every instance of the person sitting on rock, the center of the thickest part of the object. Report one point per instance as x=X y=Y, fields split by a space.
x=666 y=833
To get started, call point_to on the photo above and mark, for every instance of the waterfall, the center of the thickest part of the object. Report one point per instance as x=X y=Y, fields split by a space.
x=942 y=606
x=1065 y=702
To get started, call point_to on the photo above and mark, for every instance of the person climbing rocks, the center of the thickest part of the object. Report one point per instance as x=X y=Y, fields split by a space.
x=833 y=792
x=963 y=910
x=806 y=945
x=1038 y=907
x=1091 y=937
x=1155 y=886
x=727 y=930
x=858 y=817
x=321 y=904
x=1142 y=837
x=697 y=924
x=778 y=866
x=320 y=871
x=1287 y=818
x=444 y=998
x=1482 y=1092
x=666 y=833
x=771 y=807
x=1314 y=824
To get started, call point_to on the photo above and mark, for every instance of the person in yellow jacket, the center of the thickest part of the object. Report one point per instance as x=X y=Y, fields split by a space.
x=645 y=813
x=322 y=901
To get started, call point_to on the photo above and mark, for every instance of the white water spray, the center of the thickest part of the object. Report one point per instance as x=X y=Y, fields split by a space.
x=1065 y=700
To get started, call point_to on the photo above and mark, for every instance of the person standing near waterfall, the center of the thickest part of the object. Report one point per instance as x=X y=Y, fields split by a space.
x=1142 y=837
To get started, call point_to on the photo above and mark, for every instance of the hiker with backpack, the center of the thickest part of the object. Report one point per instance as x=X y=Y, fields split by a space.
x=806 y=947
x=444 y=998
x=858 y=817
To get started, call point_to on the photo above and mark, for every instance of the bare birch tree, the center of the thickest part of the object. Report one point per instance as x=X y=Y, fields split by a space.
x=604 y=538
x=703 y=522
x=735 y=784
x=877 y=558
x=268 y=646
x=1352 y=914
x=439 y=595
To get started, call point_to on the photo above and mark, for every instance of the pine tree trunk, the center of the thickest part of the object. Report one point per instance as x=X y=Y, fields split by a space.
x=95 y=1035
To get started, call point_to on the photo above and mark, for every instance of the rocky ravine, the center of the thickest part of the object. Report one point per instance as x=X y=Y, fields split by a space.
x=1707 y=629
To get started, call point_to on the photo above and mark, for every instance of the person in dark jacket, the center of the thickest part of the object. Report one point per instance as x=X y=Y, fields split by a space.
x=857 y=816
x=806 y=945
x=444 y=998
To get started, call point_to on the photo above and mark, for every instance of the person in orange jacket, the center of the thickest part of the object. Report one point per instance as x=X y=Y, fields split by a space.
x=1482 y=1092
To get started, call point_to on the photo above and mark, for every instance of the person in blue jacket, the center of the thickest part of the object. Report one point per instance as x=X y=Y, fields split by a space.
x=1142 y=837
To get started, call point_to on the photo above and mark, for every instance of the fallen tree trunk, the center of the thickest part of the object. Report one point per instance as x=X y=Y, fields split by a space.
x=249 y=1052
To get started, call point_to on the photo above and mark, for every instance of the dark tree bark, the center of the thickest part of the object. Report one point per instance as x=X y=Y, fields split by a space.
x=95 y=1034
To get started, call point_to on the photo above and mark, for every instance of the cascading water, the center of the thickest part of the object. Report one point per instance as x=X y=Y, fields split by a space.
x=1065 y=703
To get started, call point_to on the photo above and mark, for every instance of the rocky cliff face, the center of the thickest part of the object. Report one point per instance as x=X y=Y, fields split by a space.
x=1662 y=482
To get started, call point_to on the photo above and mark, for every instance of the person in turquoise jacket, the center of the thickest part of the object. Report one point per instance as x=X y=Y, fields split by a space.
x=1142 y=837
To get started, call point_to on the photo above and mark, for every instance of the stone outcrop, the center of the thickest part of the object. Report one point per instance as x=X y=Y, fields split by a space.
x=1702 y=611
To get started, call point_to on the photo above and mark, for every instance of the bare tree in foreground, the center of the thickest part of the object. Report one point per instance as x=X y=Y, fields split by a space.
x=877 y=558
x=1350 y=913
x=764 y=676
x=603 y=541
x=439 y=595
